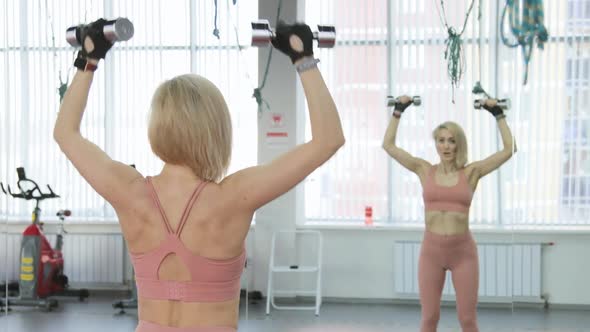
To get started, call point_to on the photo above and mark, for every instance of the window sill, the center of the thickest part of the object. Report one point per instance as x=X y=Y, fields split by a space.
x=72 y=226
x=498 y=229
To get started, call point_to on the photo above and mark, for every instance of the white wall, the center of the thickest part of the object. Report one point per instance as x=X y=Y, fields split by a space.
x=281 y=82
x=358 y=263
x=566 y=265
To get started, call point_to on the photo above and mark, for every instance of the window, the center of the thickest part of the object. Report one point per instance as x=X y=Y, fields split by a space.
x=165 y=44
x=575 y=171
x=578 y=10
x=356 y=72
x=361 y=71
x=545 y=183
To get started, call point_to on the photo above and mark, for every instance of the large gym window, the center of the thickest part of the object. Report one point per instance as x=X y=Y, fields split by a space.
x=171 y=38
x=397 y=47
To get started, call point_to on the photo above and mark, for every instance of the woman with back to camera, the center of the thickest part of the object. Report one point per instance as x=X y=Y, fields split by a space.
x=448 y=188
x=186 y=227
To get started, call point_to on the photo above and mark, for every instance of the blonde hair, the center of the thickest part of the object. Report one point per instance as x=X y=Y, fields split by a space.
x=190 y=125
x=460 y=140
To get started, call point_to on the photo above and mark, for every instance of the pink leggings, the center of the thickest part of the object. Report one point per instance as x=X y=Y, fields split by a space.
x=457 y=253
x=145 y=326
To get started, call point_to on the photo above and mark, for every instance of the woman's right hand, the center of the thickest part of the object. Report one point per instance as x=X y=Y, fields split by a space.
x=404 y=102
x=256 y=186
x=99 y=45
x=294 y=40
x=491 y=105
x=416 y=165
x=94 y=46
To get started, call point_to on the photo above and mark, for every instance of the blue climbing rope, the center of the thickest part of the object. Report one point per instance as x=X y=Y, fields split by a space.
x=526 y=28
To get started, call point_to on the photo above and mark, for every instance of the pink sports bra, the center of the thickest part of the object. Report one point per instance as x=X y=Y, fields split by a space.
x=211 y=280
x=455 y=198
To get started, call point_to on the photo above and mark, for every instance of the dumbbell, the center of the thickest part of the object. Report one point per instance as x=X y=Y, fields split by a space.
x=391 y=101
x=503 y=103
x=262 y=34
x=120 y=29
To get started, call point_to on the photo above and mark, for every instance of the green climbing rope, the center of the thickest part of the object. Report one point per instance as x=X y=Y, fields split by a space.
x=216 y=29
x=479 y=90
x=454 y=51
x=63 y=86
x=526 y=28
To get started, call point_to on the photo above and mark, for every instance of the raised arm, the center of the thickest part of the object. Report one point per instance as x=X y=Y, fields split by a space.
x=109 y=178
x=256 y=186
x=483 y=167
x=414 y=164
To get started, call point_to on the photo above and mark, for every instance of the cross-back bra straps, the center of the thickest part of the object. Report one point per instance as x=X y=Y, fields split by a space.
x=186 y=211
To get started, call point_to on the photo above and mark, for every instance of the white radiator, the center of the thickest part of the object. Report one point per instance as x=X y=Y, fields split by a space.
x=506 y=271
x=90 y=259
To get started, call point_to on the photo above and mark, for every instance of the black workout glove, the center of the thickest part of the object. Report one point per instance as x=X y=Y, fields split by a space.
x=496 y=110
x=284 y=32
x=402 y=107
x=101 y=45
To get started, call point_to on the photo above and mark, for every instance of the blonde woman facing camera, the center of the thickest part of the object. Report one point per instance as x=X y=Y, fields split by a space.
x=185 y=227
x=448 y=188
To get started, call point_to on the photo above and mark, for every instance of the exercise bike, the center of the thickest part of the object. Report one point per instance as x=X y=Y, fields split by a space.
x=130 y=303
x=41 y=276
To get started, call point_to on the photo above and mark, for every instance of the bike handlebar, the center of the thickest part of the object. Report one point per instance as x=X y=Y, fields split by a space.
x=30 y=193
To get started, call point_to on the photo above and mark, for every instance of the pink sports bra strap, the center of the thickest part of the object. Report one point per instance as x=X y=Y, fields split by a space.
x=189 y=206
x=157 y=200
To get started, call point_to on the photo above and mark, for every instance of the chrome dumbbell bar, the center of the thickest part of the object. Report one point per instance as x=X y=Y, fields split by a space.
x=503 y=103
x=391 y=101
x=262 y=34
x=120 y=29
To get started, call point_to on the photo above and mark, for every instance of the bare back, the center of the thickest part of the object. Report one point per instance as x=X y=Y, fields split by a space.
x=210 y=231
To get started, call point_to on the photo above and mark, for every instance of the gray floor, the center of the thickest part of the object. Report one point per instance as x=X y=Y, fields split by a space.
x=98 y=315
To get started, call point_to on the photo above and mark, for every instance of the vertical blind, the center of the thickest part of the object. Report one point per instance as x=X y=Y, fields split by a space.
x=549 y=184
x=171 y=38
x=383 y=47
x=397 y=47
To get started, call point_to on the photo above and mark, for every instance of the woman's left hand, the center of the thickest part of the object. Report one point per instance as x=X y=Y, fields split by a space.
x=491 y=105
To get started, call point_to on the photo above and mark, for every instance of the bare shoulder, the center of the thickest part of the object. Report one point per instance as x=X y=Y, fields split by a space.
x=471 y=171
x=133 y=214
x=229 y=183
x=218 y=195
x=231 y=187
x=220 y=204
x=468 y=169
x=221 y=200
x=472 y=175
x=423 y=169
x=138 y=196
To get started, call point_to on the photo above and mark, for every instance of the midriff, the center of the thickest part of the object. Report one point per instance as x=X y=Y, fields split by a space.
x=447 y=222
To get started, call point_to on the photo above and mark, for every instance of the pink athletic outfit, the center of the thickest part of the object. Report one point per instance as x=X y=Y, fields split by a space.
x=457 y=253
x=211 y=280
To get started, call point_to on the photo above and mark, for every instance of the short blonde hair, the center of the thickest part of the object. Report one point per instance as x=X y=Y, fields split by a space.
x=190 y=125
x=460 y=140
